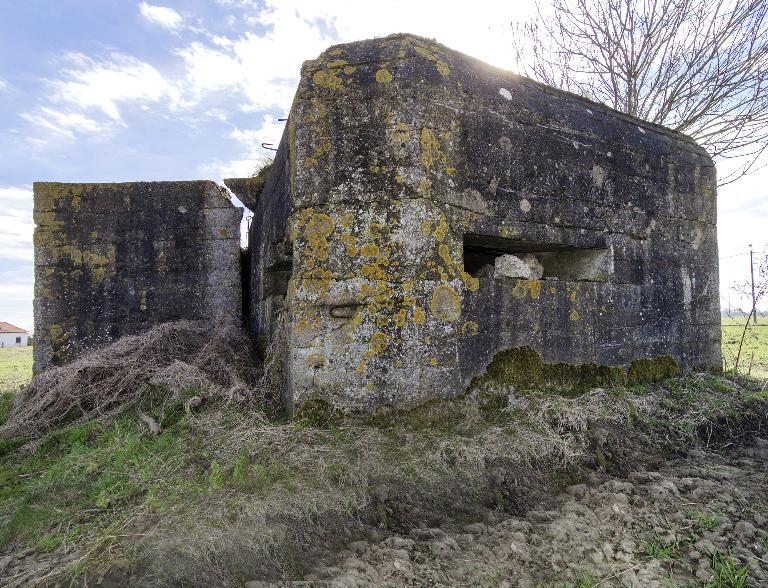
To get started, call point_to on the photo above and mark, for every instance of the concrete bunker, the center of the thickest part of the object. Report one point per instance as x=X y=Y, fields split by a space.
x=115 y=259
x=413 y=189
x=424 y=215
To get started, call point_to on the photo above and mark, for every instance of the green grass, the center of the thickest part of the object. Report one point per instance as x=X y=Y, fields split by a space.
x=755 y=346
x=726 y=573
x=659 y=548
x=15 y=368
x=223 y=473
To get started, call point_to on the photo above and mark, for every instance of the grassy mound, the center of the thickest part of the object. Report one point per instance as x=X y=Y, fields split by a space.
x=153 y=368
x=225 y=494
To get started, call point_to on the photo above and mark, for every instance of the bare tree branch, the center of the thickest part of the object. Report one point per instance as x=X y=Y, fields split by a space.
x=696 y=66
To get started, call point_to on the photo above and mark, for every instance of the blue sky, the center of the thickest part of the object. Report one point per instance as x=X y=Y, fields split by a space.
x=118 y=90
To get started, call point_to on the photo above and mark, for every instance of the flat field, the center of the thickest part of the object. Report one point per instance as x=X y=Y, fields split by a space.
x=15 y=368
x=754 y=350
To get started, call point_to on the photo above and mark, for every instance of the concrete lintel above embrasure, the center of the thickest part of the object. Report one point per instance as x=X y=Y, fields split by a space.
x=246 y=189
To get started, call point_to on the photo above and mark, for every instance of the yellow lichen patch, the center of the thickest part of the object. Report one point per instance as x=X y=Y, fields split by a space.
x=162 y=262
x=400 y=133
x=76 y=195
x=351 y=250
x=426 y=228
x=409 y=301
x=370 y=250
x=574 y=316
x=407 y=285
x=320 y=254
x=425 y=187
x=450 y=170
x=337 y=63
x=398 y=363
x=469 y=328
x=317 y=230
x=446 y=303
x=306 y=323
x=444 y=254
x=525 y=287
x=431 y=153
x=382 y=321
x=441 y=230
x=318 y=281
x=433 y=361
x=441 y=65
x=419 y=316
x=310 y=161
x=315 y=360
x=399 y=318
x=373 y=271
x=520 y=290
x=383 y=76
x=378 y=343
x=347 y=220
x=323 y=147
x=328 y=78
x=350 y=69
x=378 y=231
x=471 y=282
x=98 y=265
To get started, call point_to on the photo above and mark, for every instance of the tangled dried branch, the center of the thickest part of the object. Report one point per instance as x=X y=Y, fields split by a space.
x=169 y=360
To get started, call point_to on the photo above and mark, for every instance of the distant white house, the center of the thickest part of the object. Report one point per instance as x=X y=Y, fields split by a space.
x=11 y=336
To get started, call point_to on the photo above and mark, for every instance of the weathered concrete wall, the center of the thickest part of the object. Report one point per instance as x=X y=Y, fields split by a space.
x=406 y=169
x=115 y=259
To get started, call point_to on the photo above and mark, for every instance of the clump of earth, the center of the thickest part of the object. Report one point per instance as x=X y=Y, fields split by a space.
x=700 y=519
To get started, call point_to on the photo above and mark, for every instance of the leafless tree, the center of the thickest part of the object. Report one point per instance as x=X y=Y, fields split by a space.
x=749 y=330
x=696 y=66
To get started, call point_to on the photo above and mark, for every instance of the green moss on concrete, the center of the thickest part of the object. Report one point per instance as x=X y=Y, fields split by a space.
x=523 y=369
x=652 y=369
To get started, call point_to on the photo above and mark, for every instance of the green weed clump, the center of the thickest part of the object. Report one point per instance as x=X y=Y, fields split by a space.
x=726 y=572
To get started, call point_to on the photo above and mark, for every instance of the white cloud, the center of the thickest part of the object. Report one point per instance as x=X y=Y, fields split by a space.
x=63 y=123
x=105 y=84
x=209 y=69
x=163 y=16
x=16 y=220
x=4 y=85
x=90 y=93
x=264 y=69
